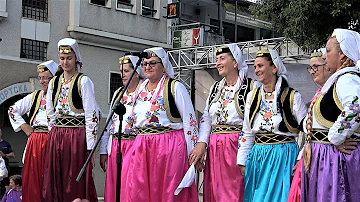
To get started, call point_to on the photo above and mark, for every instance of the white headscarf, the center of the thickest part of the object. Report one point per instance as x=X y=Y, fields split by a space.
x=238 y=56
x=134 y=60
x=242 y=68
x=74 y=45
x=281 y=69
x=161 y=53
x=349 y=44
x=51 y=65
x=281 y=73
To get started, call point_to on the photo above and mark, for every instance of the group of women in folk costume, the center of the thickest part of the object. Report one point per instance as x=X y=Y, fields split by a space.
x=248 y=129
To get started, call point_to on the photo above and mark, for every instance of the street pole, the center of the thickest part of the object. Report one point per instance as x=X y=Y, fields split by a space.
x=236 y=5
x=220 y=18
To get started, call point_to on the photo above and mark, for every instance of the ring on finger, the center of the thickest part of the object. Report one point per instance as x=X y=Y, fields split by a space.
x=344 y=147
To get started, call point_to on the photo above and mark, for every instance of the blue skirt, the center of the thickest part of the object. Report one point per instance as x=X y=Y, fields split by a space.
x=269 y=171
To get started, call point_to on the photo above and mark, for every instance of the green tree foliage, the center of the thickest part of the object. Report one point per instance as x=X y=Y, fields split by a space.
x=309 y=22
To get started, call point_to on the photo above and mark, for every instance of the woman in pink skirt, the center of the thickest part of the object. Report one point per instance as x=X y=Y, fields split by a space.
x=109 y=142
x=165 y=122
x=220 y=128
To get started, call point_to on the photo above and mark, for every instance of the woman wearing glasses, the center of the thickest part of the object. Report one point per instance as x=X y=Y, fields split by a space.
x=273 y=113
x=220 y=127
x=320 y=75
x=73 y=120
x=331 y=157
x=34 y=105
x=164 y=119
x=109 y=142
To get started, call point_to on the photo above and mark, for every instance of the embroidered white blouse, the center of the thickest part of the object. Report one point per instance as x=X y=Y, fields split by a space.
x=221 y=112
x=149 y=110
x=62 y=107
x=348 y=92
x=22 y=107
x=113 y=127
x=267 y=120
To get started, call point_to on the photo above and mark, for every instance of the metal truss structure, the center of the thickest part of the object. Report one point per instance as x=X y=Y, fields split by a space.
x=186 y=60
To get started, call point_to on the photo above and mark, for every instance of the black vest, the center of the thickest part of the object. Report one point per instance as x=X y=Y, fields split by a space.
x=328 y=107
x=169 y=100
x=35 y=104
x=285 y=100
x=240 y=95
x=75 y=99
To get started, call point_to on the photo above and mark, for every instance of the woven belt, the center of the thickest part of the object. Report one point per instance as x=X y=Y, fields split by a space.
x=153 y=130
x=221 y=129
x=41 y=129
x=124 y=136
x=271 y=138
x=321 y=136
x=70 y=121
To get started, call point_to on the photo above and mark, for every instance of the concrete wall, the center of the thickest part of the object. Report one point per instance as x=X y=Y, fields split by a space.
x=124 y=23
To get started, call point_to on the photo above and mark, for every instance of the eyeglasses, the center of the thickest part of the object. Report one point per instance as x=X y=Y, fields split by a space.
x=151 y=63
x=314 y=67
x=44 y=78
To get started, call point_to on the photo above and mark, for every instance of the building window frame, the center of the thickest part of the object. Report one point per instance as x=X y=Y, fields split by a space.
x=151 y=11
x=106 y=4
x=35 y=9
x=126 y=6
x=33 y=49
x=115 y=82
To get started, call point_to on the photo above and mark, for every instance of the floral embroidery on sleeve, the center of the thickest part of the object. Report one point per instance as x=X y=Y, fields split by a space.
x=11 y=113
x=193 y=129
x=241 y=139
x=346 y=122
x=94 y=123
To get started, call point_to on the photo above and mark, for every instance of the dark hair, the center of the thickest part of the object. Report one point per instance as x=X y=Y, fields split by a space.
x=267 y=56
x=59 y=71
x=17 y=179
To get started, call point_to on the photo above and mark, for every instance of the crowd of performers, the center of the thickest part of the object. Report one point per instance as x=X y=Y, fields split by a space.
x=245 y=141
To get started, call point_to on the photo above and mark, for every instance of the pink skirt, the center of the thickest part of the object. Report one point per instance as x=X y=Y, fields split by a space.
x=66 y=155
x=295 y=189
x=111 y=170
x=223 y=180
x=157 y=165
x=33 y=171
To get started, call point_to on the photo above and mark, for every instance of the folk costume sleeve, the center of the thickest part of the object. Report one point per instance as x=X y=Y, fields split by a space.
x=205 y=122
x=91 y=111
x=50 y=109
x=348 y=91
x=17 y=110
x=186 y=110
x=246 y=138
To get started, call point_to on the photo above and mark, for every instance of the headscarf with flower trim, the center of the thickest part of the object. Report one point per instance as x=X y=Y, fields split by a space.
x=350 y=45
x=242 y=67
x=133 y=61
x=48 y=66
x=161 y=53
x=68 y=45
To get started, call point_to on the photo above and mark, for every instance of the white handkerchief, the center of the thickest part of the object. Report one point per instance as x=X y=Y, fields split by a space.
x=187 y=180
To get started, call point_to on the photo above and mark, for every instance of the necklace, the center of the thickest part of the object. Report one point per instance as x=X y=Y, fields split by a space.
x=67 y=81
x=269 y=93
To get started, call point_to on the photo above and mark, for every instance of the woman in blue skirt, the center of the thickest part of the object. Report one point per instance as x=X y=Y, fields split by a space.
x=267 y=148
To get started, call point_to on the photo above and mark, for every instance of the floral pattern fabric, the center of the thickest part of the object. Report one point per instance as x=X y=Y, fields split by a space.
x=267 y=120
x=150 y=110
x=62 y=108
x=221 y=112
x=23 y=106
x=348 y=121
